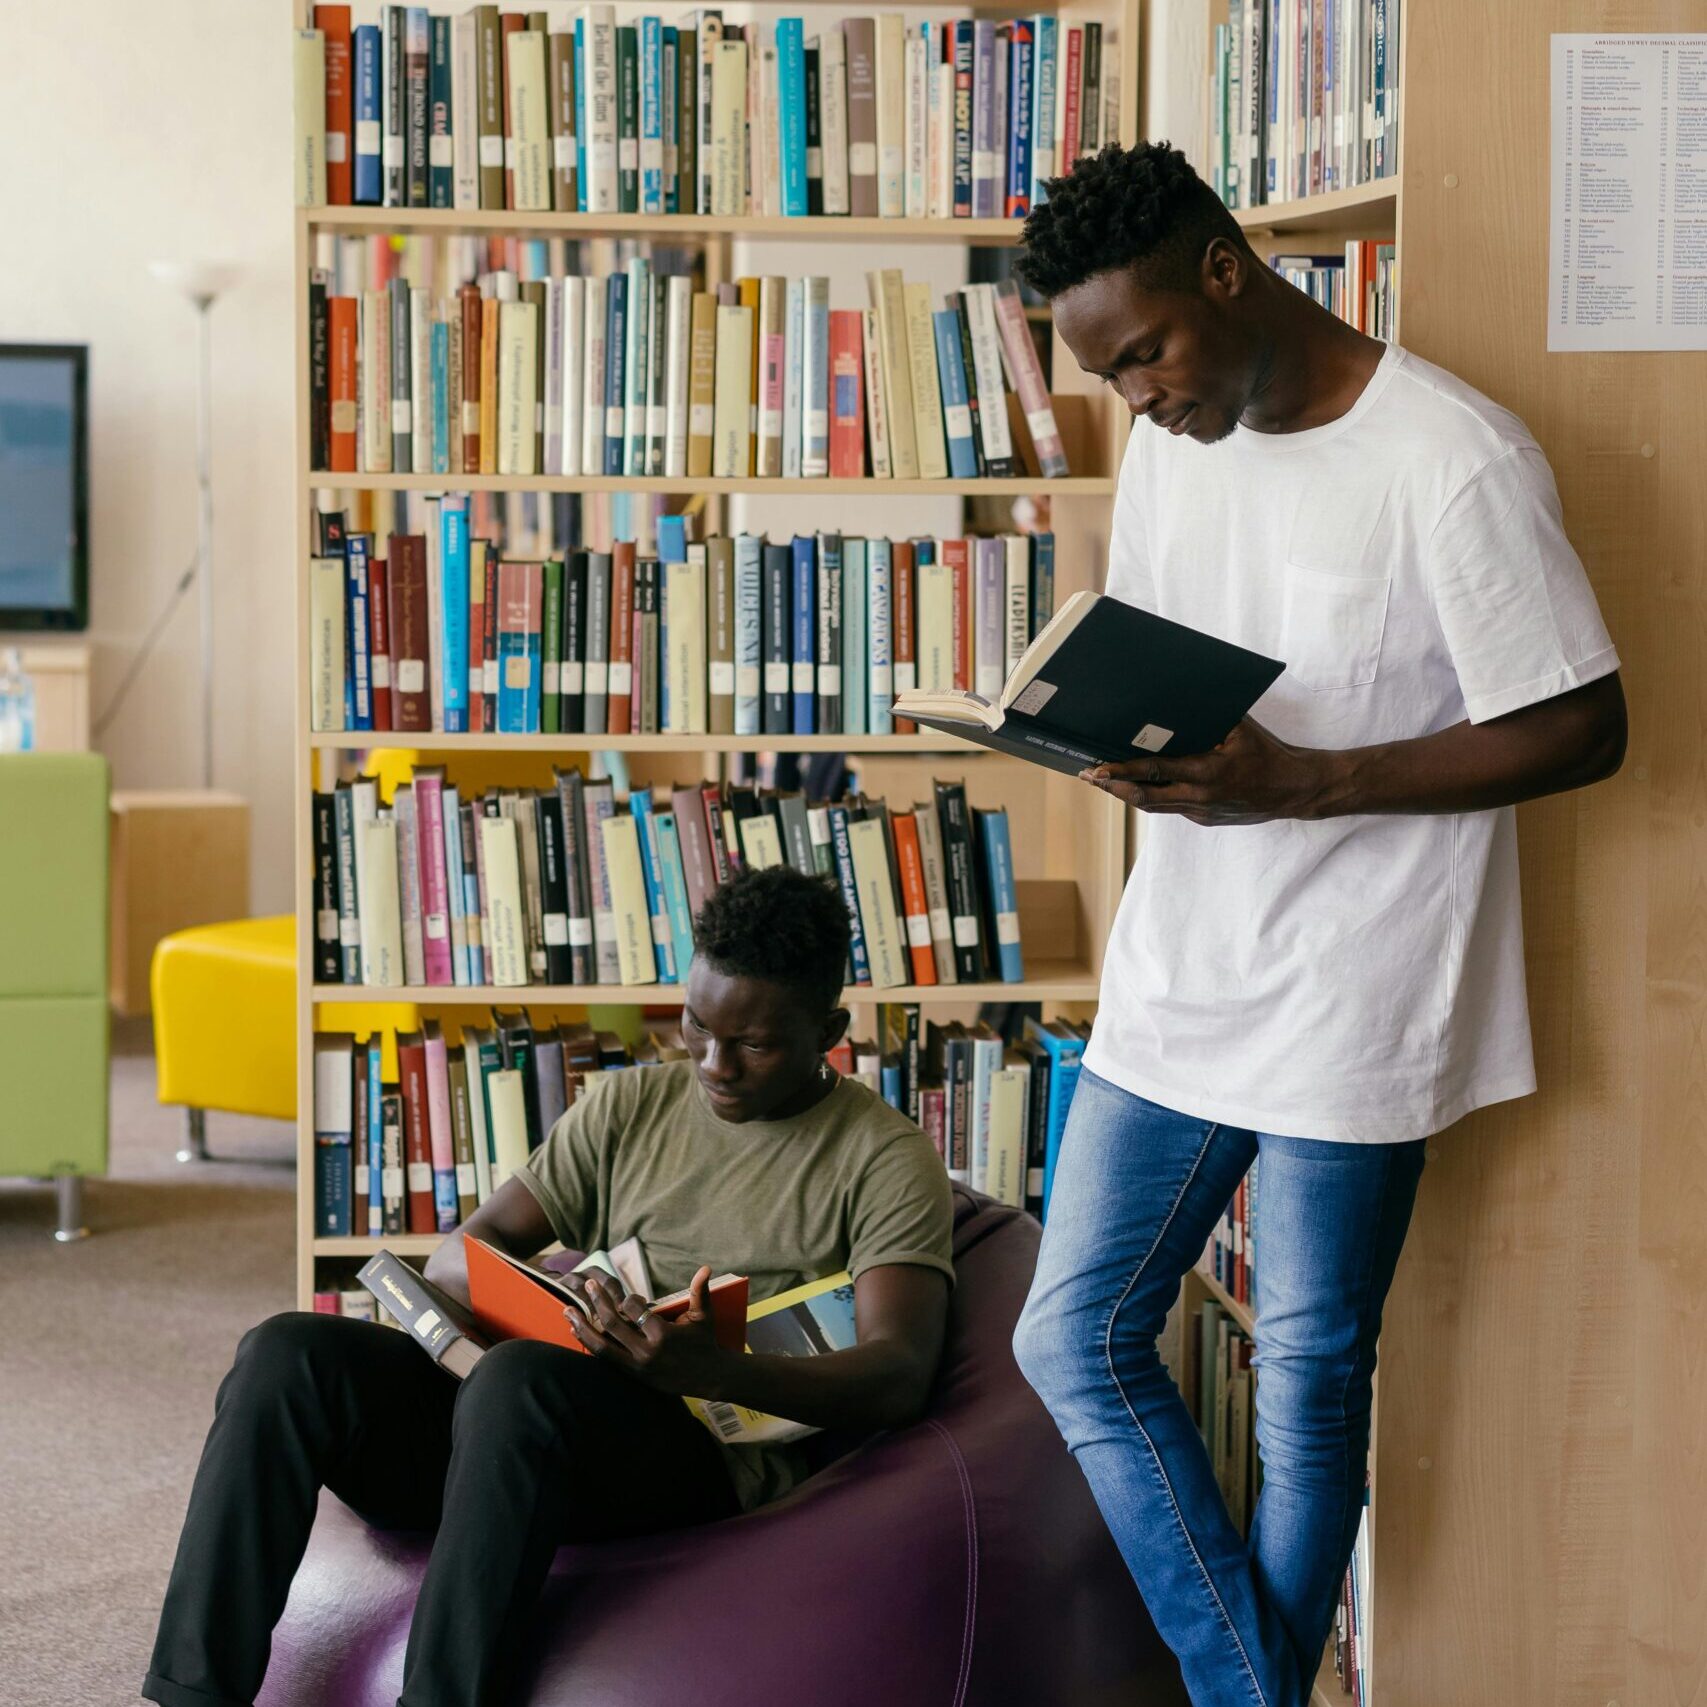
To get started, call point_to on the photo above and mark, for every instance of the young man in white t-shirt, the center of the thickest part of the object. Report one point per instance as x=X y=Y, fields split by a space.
x=1318 y=960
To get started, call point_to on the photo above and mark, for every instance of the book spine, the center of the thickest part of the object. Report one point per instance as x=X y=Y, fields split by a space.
x=828 y=592
x=803 y=602
x=1017 y=203
x=1004 y=901
x=915 y=906
x=1028 y=380
x=880 y=649
x=434 y=878
x=858 y=963
x=368 y=186
x=651 y=72
x=846 y=395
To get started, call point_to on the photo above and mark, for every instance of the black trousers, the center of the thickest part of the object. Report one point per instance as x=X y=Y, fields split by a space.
x=538 y=1446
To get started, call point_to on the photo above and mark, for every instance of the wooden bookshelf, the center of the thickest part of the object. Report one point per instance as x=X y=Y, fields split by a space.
x=1364 y=210
x=1070 y=842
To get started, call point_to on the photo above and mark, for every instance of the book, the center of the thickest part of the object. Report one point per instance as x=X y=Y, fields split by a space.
x=512 y=1299
x=1102 y=682
x=440 y=1326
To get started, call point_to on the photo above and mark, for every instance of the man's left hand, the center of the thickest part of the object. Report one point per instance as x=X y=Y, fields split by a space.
x=1251 y=778
x=680 y=1356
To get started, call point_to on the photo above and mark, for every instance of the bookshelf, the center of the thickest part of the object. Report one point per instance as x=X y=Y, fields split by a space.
x=1070 y=842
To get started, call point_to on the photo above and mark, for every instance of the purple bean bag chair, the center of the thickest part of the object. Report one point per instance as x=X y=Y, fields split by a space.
x=956 y=1563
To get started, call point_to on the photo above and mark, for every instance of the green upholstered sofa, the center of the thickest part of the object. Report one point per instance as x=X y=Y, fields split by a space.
x=53 y=972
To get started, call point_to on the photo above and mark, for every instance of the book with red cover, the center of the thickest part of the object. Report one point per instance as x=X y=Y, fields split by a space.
x=711 y=798
x=699 y=870
x=847 y=395
x=955 y=553
x=489 y=643
x=417 y=1145
x=903 y=624
x=341 y=382
x=621 y=685
x=379 y=642
x=513 y=1300
x=915 y=908
x=1067 y=144
x=412 y=702
x=333 y=22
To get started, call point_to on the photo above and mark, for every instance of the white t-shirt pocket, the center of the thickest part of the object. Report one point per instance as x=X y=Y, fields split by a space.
x=1331 y=627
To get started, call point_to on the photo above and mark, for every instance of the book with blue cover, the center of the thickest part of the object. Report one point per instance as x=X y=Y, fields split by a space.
x=1042 y=582
x=453 y=568
x=803 y=649
x=651 y=116
x=1065 y=1049
x=374 y=1136
x=855 y=628
x=652 y=876
x=995 y=848
x=841 y=854
x=956 y=402
x=439 y=367
x=1020 y=74
x=1043 y=79
x=580 y=34
x=368 y=184
x=675 y=891
x=776 y=711
x=358 y=676
x=791 y=98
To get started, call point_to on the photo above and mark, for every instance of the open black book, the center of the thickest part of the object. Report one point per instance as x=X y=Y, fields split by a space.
x=1103 y=682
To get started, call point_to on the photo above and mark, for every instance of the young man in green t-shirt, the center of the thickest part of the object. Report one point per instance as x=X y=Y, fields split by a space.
x=753 y=1156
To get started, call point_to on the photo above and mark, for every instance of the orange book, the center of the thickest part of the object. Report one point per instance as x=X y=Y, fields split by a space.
x=915 y=909
x=514 y=1301
x=621 y=683
x=333 y=22
x=341 y=336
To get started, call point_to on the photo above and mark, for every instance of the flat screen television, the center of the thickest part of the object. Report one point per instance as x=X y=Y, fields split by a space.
x=44 y=486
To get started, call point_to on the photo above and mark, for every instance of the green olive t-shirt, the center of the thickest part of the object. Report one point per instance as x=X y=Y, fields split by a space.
x=851 y=1184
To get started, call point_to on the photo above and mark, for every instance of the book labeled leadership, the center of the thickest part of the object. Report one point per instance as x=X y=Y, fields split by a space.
x=1102 y=682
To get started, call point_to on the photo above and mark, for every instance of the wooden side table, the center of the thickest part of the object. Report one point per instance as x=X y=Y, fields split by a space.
x=180 y=857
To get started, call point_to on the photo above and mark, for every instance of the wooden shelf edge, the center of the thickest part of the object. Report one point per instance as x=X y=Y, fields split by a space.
x=576 y=741
x=1337 y=210
x=1067 y=486
x=667 y=227
x=361 y=1245
x=1059 y=984
x=1241 y=1313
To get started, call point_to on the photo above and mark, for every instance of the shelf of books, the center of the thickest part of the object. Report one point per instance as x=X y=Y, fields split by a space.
x=556 y=681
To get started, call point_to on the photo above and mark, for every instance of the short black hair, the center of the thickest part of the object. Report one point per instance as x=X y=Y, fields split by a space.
x=781 y=925
x=1140 y=207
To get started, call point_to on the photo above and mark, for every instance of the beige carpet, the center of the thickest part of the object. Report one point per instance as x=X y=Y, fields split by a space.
x=110 y=1351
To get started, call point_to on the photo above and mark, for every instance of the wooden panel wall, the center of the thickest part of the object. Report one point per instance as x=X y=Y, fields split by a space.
x=1542 y=1517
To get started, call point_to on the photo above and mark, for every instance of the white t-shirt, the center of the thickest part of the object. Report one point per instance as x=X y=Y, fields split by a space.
x=1358 y=978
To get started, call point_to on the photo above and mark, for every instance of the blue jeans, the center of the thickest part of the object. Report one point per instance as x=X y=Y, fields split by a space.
x=1138 y=1189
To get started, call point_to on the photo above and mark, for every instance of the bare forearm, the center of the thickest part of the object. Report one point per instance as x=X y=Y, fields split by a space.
x=1460 y=769
x=875 y=1385
x=511 y=1219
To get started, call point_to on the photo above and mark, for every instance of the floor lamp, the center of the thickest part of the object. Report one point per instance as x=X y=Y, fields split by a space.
x=203 y=283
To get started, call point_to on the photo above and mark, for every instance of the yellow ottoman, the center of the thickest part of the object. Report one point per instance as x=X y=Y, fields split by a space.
x=224 y=999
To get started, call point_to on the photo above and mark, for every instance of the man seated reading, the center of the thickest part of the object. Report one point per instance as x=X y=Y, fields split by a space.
x=755 y=1157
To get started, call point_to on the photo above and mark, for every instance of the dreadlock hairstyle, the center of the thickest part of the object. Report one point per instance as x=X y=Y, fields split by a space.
x=778 y=924
x=1140 y=207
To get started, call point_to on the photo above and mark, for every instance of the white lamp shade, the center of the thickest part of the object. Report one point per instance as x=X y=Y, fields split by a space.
x=198 y=280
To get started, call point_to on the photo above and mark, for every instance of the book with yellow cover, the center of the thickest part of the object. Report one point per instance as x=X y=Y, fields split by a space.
x=808 y=1321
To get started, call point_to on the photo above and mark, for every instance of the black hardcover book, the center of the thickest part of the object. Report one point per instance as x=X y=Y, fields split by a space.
x=572 y=673
x=328 y=957
x=393 y=1200
x=777 y=709
x=962 y=875
x=554 y=888
x=319 y=373
x=1103 y=683
x=829 y=634
x=571 y=807
x=434 y=1321
x=647 y=661
x=417 y=62
x=627 y=121
x=814 y=137
x=329 y=529
x=1036 y=1122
